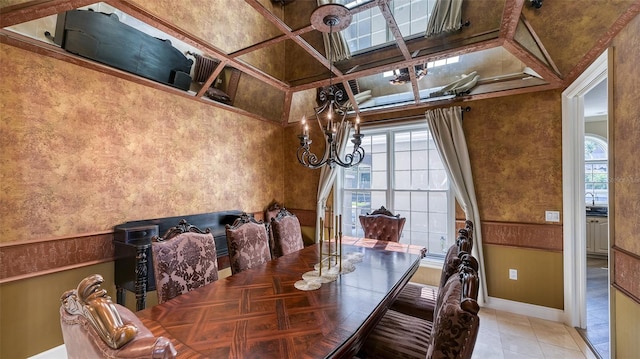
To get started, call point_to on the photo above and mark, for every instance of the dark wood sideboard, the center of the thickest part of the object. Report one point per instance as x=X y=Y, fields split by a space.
x=132 y=240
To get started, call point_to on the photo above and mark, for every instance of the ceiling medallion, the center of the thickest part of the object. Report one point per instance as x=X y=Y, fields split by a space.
x=330 y=114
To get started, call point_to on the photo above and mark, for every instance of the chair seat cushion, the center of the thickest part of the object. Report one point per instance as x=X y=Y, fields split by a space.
x=418 y=300
x=398 y=335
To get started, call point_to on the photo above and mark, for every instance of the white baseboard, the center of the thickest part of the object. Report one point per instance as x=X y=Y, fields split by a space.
x=531 y=310
x=59 y=352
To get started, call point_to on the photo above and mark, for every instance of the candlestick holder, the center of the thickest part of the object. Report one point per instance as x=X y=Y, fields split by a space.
x=331 y=256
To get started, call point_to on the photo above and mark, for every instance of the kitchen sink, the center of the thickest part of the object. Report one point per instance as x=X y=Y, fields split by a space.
x=597 y=211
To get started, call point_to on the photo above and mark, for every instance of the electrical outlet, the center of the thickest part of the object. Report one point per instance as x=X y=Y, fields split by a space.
x=552 y=216
x=513 y=274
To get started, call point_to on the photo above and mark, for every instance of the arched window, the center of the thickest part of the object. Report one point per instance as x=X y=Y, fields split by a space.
x=596 y=171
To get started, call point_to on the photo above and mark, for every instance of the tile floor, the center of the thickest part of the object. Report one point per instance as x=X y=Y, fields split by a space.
x=506 y=335
x=597 y=332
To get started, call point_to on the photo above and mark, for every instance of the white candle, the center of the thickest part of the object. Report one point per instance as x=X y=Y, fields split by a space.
x=304 y=125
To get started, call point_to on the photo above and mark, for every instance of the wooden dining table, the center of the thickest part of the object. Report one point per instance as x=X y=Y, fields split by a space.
x=259 y=313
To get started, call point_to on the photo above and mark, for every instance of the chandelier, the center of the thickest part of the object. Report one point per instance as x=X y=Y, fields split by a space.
x=332 y=110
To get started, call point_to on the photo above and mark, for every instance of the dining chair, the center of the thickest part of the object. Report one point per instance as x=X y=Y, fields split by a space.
x=383 y=225
x=95 y=327
x=270 y=212
x=248 y=243
x=419 y=300
x=287 y=234
x=184 y=258
x=452 y=334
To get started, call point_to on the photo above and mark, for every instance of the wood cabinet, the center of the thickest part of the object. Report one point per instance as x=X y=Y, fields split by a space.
x=597 y=235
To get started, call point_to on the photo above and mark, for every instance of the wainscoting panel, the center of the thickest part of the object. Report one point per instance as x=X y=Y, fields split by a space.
x=22 y=260
x=626 y=269
x=525 y=235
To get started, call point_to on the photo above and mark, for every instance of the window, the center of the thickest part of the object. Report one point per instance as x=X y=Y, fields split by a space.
x=369 y=28
x=402 y=171
x=596 y=171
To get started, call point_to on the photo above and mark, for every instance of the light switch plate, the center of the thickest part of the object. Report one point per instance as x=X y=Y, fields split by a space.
x=513 y=274
x=552 y=216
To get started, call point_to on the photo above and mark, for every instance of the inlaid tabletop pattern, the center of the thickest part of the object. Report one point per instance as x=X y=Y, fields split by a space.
x=258 y=313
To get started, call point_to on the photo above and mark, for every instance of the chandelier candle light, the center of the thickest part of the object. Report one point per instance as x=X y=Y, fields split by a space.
x=329 y=18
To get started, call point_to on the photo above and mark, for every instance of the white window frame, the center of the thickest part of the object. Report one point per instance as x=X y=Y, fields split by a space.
x=603 y=143
x=433 y=256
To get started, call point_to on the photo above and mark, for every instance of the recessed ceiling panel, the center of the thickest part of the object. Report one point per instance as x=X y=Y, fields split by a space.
x=259 y=98
x=270 y=59
x=524 y=37
x=476 y=72
x=227 y=25
x=384 y=91
x=302 y=66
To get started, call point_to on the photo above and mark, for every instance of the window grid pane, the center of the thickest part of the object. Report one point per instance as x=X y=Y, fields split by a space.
x=420 y=190
x=369 y=28
x=596 y=171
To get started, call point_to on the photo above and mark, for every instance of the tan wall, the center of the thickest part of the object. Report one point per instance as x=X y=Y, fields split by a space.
x=625 y=166
x=627 y=326
x=30 y=309
x=539 y=275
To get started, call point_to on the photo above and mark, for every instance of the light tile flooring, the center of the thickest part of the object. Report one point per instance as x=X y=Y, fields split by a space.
x=597 y=332
x=506 y=335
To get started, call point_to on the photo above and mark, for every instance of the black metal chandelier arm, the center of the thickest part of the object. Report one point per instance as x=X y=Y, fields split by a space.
x=351 y=159
x=309 y=159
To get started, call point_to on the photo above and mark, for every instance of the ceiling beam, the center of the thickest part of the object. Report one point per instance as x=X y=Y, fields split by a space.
x=296 y=38
x=395 y=30
x=466 y=49
x=510 y=18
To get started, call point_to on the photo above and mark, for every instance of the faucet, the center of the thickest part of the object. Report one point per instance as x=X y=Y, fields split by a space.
x=593 y=198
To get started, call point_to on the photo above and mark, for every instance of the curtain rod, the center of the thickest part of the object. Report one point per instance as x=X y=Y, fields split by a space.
x=408 y=118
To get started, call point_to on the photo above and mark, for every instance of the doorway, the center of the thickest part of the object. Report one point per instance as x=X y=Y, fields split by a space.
x=576 y=263
x=596 y=185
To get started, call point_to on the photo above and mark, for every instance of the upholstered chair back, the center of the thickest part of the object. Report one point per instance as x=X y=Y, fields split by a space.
x=248 y=243
x=184 y=259
x=420 y=300
x=383 y=225
x=287 y=234
x=271 y=212
x=456 y=324
x=95 y=327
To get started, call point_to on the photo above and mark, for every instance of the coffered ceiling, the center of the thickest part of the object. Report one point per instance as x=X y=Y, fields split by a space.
x=513 y=46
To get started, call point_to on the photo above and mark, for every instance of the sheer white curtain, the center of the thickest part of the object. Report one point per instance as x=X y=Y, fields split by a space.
x=445 y=125
x=335 y=40
x=445 y=16
x=328 y=176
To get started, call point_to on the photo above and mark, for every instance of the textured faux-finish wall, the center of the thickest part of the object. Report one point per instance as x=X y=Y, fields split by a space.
x=83 y=151
x=624 y=142
x=515 y=147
